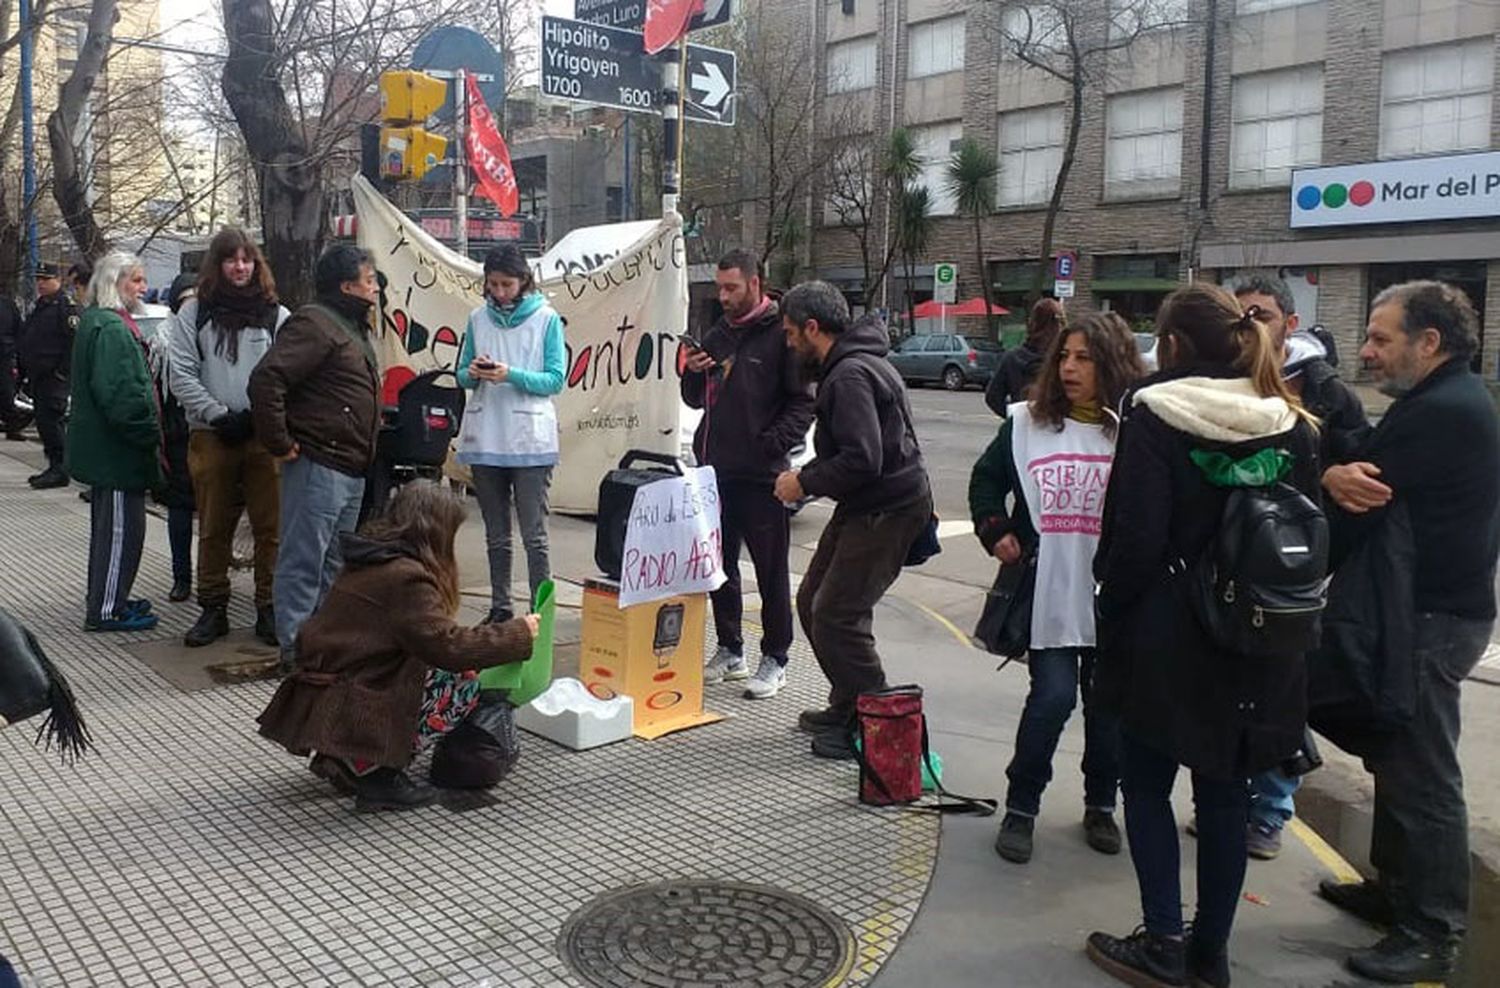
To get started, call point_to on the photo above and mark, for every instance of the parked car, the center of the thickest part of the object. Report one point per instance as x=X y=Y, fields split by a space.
x=1146 y=344
x=947 y=359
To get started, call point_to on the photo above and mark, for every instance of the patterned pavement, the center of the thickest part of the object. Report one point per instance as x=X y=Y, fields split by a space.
x=187 y=851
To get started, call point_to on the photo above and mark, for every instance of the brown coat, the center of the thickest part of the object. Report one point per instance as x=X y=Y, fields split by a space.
x=318 y=386
x=363 y=658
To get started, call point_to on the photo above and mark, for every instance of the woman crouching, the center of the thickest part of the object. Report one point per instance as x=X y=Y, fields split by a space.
x=382 y=668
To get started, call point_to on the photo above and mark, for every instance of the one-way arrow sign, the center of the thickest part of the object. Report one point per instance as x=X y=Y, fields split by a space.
x=711 y=81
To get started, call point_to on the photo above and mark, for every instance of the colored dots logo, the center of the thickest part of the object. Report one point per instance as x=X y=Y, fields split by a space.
x=1335 y=194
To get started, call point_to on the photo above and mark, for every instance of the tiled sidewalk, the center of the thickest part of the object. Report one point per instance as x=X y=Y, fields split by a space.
x=188 y=851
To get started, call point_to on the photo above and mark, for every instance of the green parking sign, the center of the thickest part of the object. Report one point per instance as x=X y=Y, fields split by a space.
x=945 y=283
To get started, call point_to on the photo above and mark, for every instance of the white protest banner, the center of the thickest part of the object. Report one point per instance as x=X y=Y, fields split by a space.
x=672 y=543
x=624 y=302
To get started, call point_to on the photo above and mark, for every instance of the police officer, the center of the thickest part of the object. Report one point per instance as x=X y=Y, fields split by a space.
x=46 y=352
x=10 y=332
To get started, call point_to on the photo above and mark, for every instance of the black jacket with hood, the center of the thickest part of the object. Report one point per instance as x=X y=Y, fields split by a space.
x=756 y=403
x=1018 y=368
x=868 y=459
x=1220 y=714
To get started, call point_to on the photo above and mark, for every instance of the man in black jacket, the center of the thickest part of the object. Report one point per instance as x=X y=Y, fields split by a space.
x=869 y=462
x=756 y=406
x=10 y=334
x=47 y=355
x=1438 y=450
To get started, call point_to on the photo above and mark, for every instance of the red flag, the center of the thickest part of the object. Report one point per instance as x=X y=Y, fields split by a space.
x=488 y=155
x=667 y=21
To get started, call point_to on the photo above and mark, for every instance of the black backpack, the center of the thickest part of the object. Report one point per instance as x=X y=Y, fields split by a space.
x=1260 y=587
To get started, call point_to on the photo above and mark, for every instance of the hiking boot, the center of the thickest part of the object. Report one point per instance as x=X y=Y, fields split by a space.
x=818 y=721
x=769 y=678
x=389 y=789
x=725 y=666
x=1263 y=843
x=336 y=772
x=836 y=745
x=124 y=621
x=1142 y=959
x=49 y=478
x=1402 y=959
x=265 y=625
x=182 y=589
x=211 y=625
x=1366 y=900
x=1207 y=966
x=1014 y=841
x=499 y=615
x=1101 y=832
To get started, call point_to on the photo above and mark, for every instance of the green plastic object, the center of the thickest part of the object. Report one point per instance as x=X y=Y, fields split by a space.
x=528 y=680
x=929 y=783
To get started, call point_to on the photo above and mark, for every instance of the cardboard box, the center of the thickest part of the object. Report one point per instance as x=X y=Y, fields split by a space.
x=652 y=653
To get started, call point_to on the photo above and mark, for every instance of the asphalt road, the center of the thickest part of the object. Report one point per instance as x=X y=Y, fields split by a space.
x=954 y=429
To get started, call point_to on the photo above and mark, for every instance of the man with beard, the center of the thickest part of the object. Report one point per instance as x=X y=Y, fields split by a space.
x=757 y=406
x=1437 y=450
x=869 y=462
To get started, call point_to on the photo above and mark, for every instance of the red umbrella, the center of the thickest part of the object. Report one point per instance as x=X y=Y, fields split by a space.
x=969 y=307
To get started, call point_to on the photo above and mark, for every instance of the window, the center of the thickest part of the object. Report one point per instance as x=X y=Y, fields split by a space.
x=851 y=65
x=936 y=145
x=1143 y=152
x=1436 y=99
x=934 y=47
x=1256 y=6
x=1036 y=28
x=1129 y=17
x=1031 y=148
x=1277 y=126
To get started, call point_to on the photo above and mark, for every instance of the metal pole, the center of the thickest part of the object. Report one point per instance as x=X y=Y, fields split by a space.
x=31 y=257
x=670 y=123
x=627 y=204
x=460 y=162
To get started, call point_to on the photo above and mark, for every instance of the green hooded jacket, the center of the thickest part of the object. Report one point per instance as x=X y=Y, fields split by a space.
x=114 y=425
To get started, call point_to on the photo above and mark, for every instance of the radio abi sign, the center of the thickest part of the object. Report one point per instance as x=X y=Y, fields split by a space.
x=1449 y=187
x=672 y=543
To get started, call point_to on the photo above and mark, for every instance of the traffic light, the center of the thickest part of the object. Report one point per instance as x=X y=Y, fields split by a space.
x=407 y=99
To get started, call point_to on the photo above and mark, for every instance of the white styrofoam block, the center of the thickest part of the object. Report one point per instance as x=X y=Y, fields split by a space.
x=574 y=718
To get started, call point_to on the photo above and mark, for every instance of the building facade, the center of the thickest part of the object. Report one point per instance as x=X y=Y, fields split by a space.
x=1206 y=131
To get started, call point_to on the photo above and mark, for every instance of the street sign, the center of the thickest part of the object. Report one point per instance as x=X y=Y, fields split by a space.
x=1064 y=288
x=607 y=66
x=945 y=283
x=631 y=14
x=1067 y=264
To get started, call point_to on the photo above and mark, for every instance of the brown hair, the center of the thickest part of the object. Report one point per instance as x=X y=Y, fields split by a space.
x=1207 y=329
x=1117 y=365
x=1047 y=319
x=225 y=244
x=423 y=519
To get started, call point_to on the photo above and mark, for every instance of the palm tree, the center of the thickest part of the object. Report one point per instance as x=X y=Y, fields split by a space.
x=972 y=172
x=914 y=228
x=900 y=167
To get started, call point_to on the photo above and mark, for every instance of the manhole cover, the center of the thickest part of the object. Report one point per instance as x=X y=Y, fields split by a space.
x=700 y=934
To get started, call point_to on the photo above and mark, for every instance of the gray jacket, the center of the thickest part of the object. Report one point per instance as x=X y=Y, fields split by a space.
x=203 y=380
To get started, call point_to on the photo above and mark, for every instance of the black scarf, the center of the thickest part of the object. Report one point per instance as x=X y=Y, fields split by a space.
x=351 y=307
x=232 y=310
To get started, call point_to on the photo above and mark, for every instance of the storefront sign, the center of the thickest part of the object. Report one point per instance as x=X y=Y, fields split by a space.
x=1451 y=187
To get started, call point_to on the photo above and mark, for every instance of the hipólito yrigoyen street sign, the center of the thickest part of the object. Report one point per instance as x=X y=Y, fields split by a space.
x=631 y=14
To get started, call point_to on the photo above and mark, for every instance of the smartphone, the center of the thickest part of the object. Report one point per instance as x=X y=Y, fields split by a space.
x=690 y=343
x=486 y=364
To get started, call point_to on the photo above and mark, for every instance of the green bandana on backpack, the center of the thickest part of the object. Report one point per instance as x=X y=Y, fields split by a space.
x=1259 y=470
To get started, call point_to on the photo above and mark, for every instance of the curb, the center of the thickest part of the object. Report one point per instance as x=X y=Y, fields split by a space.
x=1337 y=802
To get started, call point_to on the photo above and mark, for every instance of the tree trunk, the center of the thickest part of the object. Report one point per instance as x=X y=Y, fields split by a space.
x=1054 y=205
x=293 y=215
x=984 y=279
x=69 y=186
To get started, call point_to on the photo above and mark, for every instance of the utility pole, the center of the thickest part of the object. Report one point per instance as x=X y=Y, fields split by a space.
x=31 y=256
x=672 y=85
x=461 y=161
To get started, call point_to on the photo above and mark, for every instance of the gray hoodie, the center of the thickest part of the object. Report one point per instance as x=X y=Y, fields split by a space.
x=202 y=379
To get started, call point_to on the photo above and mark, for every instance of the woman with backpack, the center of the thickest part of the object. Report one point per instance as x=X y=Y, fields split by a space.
x=513 y=357
x=1224 y=696
x=218 y=338
x=1053 y=453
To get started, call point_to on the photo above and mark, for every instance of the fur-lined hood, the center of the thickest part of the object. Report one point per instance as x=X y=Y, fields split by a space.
x=1221 y=410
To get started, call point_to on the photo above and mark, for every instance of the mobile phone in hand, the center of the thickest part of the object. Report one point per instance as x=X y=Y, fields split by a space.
x=484 y=363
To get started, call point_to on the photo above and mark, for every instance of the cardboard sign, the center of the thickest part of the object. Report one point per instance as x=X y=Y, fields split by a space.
x=672 y=543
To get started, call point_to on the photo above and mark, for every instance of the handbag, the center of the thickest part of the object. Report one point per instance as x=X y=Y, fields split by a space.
x=1005 y=623
x=892 y=751
x=31 y=685
x=482 y=750
x=926 y=546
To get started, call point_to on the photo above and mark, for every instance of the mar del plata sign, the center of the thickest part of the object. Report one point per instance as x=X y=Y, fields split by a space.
x=1447 y=187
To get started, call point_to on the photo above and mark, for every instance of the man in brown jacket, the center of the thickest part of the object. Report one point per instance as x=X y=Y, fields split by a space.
x=315 y=397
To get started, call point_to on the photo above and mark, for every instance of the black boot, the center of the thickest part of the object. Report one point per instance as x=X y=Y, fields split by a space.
x=1207 y=964
x=1014 y=842
x=337 y=773
x=1142 y=959
x=53 y=476
x=388 y=789
x=499 y=615
x=818 y=721
x=265 y=624
x=212 y=625
x=1402 y=959
x=1101 y=832
x=182 y=589
x=1366 y=899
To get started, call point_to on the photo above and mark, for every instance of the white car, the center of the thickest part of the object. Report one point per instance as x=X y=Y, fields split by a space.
x=687 y=424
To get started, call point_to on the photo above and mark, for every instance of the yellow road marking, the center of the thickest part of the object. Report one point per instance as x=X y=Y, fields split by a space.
x=1324 y=852
x=952 y=628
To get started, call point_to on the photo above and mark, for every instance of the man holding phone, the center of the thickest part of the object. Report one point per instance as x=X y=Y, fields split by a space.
x=756 y=406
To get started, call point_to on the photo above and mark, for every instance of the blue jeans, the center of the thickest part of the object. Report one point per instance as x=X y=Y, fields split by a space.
x=1223 y=811
x=1271 y=804
x=1056 y=677
x=317 y=504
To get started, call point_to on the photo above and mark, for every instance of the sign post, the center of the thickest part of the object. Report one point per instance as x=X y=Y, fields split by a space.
x=1065 y=267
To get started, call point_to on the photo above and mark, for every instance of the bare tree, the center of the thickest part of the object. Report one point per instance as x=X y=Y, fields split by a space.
x=69 y=186
x=862 y=173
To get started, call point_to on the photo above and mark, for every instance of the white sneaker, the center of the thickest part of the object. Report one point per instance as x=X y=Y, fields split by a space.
x=725 y=666
x=768 y=680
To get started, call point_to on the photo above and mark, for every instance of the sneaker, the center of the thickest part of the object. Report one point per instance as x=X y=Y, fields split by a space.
x=138 y=605
x=769 y=678
x=725 y=666
x=211 y=625
x=1402 y=959
x=499 y=615
x=1262 y=842
x=1142 y=959
x=265 y=625
x=182 y=589
x=51 y=478
x=1366 y=900
x=818 y=721
x=1101 y=831
x=1014 y=841
x=835 y=745
x=336 y=771
x=389 y=789
x=124 y=621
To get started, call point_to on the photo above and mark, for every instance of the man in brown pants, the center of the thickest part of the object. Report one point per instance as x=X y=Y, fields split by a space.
x=869 y=462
